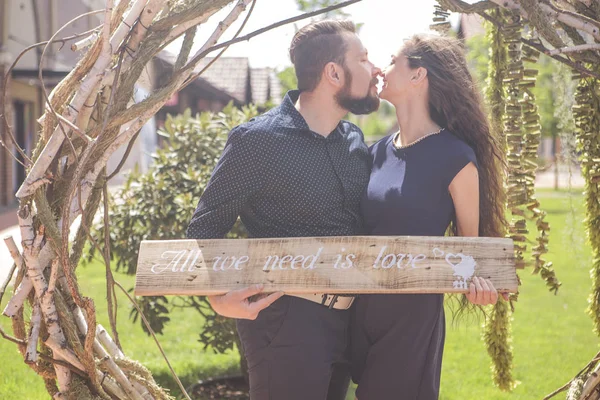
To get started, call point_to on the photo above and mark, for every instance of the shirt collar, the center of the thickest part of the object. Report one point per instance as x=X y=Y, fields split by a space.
x=297 y=121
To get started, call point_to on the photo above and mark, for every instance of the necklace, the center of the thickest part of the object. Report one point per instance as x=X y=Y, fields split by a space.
x=397 y=134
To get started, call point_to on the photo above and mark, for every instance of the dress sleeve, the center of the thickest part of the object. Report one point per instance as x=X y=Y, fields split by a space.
x=460 y=157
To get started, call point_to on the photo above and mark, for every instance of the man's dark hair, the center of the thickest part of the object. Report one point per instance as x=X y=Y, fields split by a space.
x=314 y=46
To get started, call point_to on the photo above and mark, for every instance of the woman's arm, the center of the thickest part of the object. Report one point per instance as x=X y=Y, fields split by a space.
x=464 y=190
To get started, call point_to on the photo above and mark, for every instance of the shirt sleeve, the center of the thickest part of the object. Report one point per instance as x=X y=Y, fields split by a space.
x=461 y=157
x=237 y=176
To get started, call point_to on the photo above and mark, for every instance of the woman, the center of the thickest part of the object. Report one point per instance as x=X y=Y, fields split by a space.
x=441 y=171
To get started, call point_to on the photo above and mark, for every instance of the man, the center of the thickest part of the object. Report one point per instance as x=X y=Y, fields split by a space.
x=296 y=171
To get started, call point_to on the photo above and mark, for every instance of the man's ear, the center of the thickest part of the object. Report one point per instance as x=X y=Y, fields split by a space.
x=418 y=75
x=333 y=74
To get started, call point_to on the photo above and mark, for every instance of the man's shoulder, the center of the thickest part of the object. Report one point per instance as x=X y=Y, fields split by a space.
x=351 y=130
x=262 y=126
x=256 y=128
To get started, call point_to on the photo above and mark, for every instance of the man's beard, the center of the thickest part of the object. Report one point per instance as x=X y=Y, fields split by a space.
x=357 y=105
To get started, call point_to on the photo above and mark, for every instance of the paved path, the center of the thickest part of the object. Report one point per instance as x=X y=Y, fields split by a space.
x=546 y=179
x=6 y=260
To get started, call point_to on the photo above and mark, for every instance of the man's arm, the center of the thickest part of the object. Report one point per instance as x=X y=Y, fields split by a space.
x=238 y=175
x=236 y=304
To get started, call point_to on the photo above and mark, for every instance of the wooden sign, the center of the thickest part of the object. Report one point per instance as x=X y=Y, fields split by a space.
x=353 y=264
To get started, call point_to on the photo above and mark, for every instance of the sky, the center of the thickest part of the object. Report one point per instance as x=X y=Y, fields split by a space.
x=385 y=24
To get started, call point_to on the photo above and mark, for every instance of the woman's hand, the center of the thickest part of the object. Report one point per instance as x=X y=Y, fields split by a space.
x=482 y=292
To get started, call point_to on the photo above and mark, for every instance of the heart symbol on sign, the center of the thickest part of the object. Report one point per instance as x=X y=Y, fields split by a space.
x=463 y=266
x=437 y=252
x=451 y=257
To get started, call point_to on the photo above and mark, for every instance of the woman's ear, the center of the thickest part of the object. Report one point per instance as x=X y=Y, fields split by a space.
x=419 y=75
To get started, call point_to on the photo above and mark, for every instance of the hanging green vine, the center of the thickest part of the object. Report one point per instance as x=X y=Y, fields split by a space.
x=494 y=90
x=513 y=132
x=497 y=327
x=531 y=143
x=514 y=117
x=498 y=338
x=587 y=119
x=568 y=33
x=523 y=135
x=440 y=19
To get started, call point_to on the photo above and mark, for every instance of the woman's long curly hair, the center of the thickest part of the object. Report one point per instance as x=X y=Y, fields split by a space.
x=456 y=104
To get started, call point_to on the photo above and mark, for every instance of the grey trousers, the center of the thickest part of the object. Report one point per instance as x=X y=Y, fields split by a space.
x=297 y=350
x=397 y=343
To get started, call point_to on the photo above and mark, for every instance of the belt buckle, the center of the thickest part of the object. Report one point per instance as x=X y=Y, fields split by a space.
x=324 y=298
x=333 y=301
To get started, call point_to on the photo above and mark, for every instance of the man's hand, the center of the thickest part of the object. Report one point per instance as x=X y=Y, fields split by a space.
x=236 y=304
x=483 y=292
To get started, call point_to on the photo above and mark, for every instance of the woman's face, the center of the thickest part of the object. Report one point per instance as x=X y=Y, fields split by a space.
x=397 y=79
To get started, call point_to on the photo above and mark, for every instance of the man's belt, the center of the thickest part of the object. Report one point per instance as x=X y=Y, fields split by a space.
x=336 y=301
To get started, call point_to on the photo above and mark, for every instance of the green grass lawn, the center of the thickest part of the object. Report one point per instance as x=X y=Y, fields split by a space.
x=179 y=341
x=552 y=335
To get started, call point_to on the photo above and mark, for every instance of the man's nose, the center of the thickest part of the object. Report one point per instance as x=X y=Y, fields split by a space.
x=376 y=71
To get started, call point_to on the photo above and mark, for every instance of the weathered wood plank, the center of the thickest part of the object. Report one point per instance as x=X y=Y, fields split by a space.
x=359 y=264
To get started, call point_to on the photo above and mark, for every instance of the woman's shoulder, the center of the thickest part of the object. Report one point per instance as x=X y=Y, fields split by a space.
x=380 y=144
x=453 y=139
x=454 y=146
x=456 y=154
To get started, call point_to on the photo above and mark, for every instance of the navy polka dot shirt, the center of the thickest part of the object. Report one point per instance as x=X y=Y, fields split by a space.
x=285 y=180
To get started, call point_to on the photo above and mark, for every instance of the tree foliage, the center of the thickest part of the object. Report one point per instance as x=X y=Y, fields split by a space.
x=158 y=205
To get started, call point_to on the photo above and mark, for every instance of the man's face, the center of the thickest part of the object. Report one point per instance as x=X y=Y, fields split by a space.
x=359 y=93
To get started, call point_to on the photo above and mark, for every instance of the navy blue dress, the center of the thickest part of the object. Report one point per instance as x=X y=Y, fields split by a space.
x=397 y=341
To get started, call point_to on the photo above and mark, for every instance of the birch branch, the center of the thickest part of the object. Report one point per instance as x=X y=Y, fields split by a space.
x=47 y=253
x=110 y=385
x=574 y=49
x=135 y=40
x=89 y=83
x=31 y=247
x=566 y=18
x=539 y=47
x=144 y=392
x=85 y=113
x=141 y=27
x=117 y=372
x=16 y=301
x=180 y=29
x=139 y=30
x=132 y=15
x=83 y=43
x=39 y=168
x=36 y=319
x=92 y=38
x=192 y=63
x=590 y=384
x=18 y=262
x=108 y=343
x=102 y=354
x=64 y=353
x=223 y=26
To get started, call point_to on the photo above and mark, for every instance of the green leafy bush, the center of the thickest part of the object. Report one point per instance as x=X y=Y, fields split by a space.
x=159 y=204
